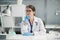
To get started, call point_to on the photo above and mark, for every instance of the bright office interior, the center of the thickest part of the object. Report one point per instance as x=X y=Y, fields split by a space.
x=47 y=10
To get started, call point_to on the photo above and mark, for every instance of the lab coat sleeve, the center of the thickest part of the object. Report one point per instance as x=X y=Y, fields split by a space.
x=24 y=27
x=41 y=26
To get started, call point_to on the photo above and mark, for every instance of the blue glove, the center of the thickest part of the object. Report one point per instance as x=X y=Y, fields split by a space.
x=27 y=18
x=27 y=34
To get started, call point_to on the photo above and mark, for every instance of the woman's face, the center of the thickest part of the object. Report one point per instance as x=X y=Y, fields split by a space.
x=29 y=12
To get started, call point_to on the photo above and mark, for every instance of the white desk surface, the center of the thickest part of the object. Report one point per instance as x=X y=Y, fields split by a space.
x=51 y=36
x=20 y=37
x=52 y=26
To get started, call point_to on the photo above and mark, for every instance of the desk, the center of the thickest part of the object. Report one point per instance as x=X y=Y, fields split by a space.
x=52 y=27
x=50 y=36
x=20 y=37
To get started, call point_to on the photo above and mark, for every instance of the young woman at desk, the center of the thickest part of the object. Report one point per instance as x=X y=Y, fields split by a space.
x=32 y=25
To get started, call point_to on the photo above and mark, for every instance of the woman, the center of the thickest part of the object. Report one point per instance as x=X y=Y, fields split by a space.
x=32 y=24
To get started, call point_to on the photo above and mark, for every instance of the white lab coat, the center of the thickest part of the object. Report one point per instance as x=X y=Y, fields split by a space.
x=38 y=26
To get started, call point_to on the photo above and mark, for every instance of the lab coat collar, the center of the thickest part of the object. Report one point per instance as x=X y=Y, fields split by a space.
x=35 y=23
x=35 y=19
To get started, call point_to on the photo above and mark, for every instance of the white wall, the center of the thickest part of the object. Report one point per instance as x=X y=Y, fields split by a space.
x=18 y=10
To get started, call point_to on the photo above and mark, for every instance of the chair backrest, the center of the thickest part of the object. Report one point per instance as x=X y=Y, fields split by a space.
x=44 y=23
